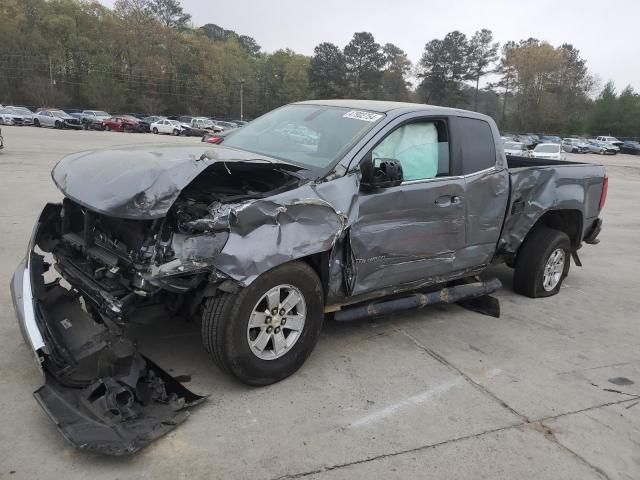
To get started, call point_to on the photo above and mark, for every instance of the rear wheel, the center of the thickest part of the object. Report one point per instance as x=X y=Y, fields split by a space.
x=107 y=128
x=155 y=130
x=543 y=263
x=36 y=122
x=266 y=331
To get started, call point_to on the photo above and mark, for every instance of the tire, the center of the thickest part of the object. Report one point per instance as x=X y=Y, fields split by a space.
x=226 y=334
x=58 y=125
x=155 y=131
x=176 y=132
x=36 y=122
x=85 y=126
x=107 y=128
x=537 y=250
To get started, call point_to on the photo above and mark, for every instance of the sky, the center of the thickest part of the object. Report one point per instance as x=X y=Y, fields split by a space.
x=606 y=33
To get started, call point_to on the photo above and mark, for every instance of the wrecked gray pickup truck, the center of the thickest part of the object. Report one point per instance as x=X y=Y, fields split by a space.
x=351 y=208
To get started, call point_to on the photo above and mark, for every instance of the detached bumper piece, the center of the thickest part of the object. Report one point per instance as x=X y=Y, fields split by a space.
x=103 y=395
x=117 y=415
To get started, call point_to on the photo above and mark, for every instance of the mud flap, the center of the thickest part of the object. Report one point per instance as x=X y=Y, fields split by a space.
x=112 y=417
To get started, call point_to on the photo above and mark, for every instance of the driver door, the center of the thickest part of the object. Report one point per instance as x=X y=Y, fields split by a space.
x=410 y=234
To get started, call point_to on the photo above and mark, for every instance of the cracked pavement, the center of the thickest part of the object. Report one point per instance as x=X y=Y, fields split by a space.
x=440 y=393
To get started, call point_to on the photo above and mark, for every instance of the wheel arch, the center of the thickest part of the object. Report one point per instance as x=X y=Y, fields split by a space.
x=569 y=221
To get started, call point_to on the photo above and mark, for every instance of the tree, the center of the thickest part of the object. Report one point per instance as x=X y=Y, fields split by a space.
x=482 y=53
x=443 y=67
x=363 y=60
x=169 y=13
x=327 y=71
x=394 y=76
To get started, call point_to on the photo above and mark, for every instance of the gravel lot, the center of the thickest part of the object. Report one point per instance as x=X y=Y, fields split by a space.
x=443 y=393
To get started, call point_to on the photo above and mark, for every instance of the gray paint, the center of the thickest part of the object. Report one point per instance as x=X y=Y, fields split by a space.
x=552 y=187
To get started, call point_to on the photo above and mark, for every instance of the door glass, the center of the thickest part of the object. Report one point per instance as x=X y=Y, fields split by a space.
x=422 y=148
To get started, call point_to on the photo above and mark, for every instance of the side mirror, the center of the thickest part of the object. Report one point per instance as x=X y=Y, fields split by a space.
x=380 y=173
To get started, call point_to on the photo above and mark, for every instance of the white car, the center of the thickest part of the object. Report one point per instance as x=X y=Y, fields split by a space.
x=517 y=149
x=611 y=140
x=549 y=151
x=24 y=113
x=9 y=117
x=171 y=127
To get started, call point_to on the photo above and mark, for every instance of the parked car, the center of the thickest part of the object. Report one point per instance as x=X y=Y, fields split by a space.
x=7 y=117
x=51 y=117
x=240 y=123
x=574 y=145
x=199 y=126
x=630 y=147
x=92 y=119
x=550 y=139
x=224 y=125
x=527 y=140
x=611 y=140
x=124 y=123
x=261 y=236
x=603 y=148
x=217 y=138
x=171 y=127
x=516 y=148
x=549 y=151
x=24 y=113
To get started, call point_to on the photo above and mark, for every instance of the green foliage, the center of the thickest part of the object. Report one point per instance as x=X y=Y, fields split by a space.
x=327 y=72
x=145 y=56
x=363 y=60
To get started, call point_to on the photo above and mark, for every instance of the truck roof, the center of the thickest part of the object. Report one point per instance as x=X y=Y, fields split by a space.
x=397 y=108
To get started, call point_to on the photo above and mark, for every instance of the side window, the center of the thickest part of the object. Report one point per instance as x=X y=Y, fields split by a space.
x=422 y=148
x=478 y=149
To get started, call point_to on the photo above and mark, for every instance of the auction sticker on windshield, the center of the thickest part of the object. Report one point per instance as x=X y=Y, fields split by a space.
x=362 y=115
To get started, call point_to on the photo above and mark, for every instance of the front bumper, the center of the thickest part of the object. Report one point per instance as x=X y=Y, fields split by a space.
x=100 y=392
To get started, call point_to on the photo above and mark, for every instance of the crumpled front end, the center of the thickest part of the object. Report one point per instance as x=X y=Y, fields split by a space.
x=103 y=395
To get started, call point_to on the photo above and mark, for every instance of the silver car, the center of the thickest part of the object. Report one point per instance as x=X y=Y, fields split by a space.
x=9 y=117
x=56 y=119
x=574 y=145
x=24 y=113
x=517 y=149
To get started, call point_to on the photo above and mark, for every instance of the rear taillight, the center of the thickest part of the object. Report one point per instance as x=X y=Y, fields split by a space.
x=605 y=189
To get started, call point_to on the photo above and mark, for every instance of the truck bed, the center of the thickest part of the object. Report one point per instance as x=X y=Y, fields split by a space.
x=538 y=186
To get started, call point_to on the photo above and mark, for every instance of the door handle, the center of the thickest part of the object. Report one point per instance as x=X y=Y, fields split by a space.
x=447 y=200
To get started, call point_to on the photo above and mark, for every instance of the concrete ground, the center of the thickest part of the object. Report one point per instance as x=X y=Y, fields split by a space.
x=443 y=393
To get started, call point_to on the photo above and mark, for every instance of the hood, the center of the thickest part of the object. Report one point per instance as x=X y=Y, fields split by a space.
x=140 y=183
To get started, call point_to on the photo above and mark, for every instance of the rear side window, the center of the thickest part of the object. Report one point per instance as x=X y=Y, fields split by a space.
x=478 y=149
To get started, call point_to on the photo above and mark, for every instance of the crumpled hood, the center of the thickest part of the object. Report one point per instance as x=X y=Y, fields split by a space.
x=138 y=183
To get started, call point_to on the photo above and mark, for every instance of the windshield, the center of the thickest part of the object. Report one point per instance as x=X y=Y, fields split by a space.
x=100 y=114
x=58 y=113
x=513 y=146
x=312 y=136
x=5 y=110
x=21 y=110
x=174 y=122
x=547 y=148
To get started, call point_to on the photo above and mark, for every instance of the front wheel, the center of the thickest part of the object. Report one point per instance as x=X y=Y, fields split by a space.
x=266 y=331
x=543 y=263
x=36 y=122
x=58 y=125
x=176 y=132
x=155 y=130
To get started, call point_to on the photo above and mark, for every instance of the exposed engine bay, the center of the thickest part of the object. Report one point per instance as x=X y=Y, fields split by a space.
x=114 y=273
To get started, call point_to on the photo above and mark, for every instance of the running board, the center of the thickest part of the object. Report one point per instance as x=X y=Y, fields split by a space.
x=463 y=294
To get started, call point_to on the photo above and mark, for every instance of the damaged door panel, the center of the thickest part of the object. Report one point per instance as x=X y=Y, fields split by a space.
x=324 y=206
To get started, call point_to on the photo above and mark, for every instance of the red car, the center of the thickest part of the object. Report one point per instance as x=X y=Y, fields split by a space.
x=121 y=124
